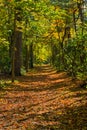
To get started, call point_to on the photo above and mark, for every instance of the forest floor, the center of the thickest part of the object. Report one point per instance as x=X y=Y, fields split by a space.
x=43 y=100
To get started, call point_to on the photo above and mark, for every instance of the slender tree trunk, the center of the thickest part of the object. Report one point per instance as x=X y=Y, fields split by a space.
x=27 y=58
x=18 y=51
x=13 y=52
x=13 y=63
x=80 y=9
x=31 y=56
x=74 y=22
x=54 y=51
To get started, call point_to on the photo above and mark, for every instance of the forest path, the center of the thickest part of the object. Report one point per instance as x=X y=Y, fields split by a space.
x=43 y=100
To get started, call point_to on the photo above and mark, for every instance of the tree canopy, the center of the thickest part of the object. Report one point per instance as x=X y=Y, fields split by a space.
x=46 y=31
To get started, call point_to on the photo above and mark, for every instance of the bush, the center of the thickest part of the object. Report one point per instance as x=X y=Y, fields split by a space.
x=4 y=56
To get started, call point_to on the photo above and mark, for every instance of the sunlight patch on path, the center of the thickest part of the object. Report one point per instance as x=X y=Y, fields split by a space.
x=43 y=100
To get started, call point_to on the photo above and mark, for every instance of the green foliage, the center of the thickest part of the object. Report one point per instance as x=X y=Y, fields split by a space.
x=42 y=54
x=44 y=24
x=77 y=54
x=23 y=71
x=4 y=56
x=2 y=84
x=73 y=57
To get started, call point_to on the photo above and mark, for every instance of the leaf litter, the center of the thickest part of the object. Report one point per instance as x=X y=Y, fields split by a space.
x=43 y=100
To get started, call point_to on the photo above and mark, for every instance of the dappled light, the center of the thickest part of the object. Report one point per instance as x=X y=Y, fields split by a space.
x=43 y=99
x=43 y=64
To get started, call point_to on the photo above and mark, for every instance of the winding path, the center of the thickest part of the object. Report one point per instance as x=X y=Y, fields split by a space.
x=43 y=100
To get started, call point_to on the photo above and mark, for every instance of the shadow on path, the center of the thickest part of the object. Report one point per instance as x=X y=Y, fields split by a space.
x=43 y=100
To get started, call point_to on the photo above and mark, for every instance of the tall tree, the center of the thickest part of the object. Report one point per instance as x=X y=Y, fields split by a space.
x=18 y=38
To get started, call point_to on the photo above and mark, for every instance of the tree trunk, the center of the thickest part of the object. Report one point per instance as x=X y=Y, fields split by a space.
x=27 y=58
x=18 y=55
x=31 y=56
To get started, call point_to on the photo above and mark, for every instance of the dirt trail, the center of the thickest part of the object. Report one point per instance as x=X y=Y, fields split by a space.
x=43 y=100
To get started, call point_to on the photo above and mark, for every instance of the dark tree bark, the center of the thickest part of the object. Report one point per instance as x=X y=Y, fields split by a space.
x=27 y=58
x=31 y=56
x=81 y=14
x=74 y=21
x=18 y=41
x=54 y=53
x=18 y=54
